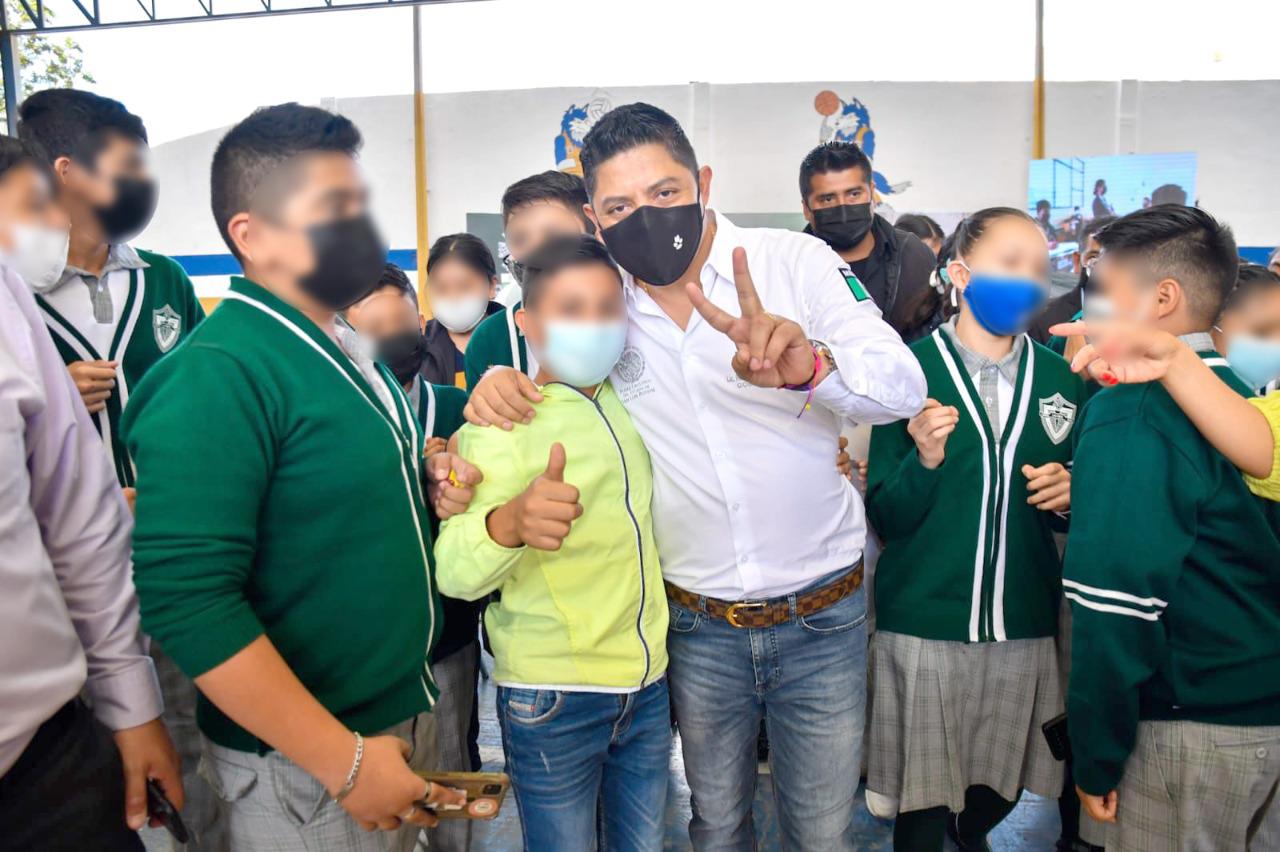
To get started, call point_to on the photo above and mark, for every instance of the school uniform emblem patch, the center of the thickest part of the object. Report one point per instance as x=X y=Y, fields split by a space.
x=1057 y=415
x=630 y=365
x=167 y=326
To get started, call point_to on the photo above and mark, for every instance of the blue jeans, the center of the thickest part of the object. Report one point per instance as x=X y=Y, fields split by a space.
x=569 y=753
x=808 y=678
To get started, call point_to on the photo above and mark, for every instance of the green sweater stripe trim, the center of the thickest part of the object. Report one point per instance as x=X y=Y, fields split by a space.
x=1008 y=452
x=951 y=363
x=132 y=306
x=74 y=346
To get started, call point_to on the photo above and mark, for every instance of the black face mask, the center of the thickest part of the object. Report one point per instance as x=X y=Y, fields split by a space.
x=403 y=354
x=515 y=267
x=844 y=226
x=1083 y=283
x=656 y=244
x=349 y=255
x=130 y=212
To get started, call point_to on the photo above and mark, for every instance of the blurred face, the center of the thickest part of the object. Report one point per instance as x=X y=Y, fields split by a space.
x=452 y=278
x=1257 y=316
x=832 y=189
x=1012 y=247
x=313 y=189
x=26 y=199
x=529 y=226
x=1132 y=293
x=585 y=294
x=640 y=176
x=385 y=313
x=94 y=183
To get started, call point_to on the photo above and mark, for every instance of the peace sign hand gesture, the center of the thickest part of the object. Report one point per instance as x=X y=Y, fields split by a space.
x=772 y=351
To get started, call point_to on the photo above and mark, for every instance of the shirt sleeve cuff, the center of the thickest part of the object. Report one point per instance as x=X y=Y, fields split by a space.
x=128 y=697
x=211 y=640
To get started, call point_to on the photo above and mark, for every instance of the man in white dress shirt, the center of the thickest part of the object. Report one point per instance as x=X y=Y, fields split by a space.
x=747 y=350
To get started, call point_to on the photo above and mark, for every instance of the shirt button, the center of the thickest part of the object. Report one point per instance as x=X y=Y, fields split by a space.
x=735 y=507
x=1260 y=753
x=742 y=560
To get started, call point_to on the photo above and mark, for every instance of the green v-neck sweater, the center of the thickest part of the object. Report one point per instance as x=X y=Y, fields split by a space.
x=277 y=495
x=966 y=558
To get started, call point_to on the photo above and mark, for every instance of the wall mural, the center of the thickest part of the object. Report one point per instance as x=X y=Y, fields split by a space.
x=850 y=121
x=574 y=124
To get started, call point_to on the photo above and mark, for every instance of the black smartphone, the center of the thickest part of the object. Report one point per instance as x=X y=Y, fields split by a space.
x=160 y=808
x=1055 y=733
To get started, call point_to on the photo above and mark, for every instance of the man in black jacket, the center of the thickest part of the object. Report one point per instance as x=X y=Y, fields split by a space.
x=839 y=205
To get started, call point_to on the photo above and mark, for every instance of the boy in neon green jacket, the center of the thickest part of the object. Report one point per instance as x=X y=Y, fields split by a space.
x=563 y=531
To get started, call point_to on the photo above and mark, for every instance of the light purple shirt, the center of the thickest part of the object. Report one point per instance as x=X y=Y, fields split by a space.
x=68 y=610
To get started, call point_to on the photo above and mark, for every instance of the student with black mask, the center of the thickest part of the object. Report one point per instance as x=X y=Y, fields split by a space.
x=839 y=205
x=269 y=442
x=1067 y=307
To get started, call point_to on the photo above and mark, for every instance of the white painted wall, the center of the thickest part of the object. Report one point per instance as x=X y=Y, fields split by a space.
x=963 y=146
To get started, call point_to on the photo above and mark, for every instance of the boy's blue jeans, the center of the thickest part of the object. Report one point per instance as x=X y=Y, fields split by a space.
x=569 y=753
x=808 y=677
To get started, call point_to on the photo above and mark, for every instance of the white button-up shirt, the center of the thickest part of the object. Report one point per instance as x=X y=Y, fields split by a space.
x=747 y=501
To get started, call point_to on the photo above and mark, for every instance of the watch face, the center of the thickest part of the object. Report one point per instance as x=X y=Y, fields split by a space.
x=824 y=352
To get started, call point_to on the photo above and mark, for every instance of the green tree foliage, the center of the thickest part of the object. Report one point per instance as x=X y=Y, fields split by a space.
x=44 y=62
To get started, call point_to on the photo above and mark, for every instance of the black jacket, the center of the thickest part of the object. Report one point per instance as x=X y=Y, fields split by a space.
x=439 y=364
x=901 y=266
x=1062 y=309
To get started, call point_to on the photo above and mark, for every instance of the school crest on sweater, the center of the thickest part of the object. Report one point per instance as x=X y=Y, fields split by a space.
x=1057 y=415
x=167 y=325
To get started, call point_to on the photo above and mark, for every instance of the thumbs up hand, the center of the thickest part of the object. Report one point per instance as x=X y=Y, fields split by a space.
x=546 y=509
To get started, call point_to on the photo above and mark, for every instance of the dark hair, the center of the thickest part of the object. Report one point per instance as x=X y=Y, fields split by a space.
x=71 y=123
x=1091 y=229
x=15 y=153
x=1251 y=279
x=559 y=253
x=551 y=185
x=1182 y=243
x=265 y=141
x=465 y=248
x=1043 y=204
x=832 y=157
x=630 y=126
x=1100 y=183
x=931 y=307
x=924 y=227
x=1168 y=193
x=393 y=276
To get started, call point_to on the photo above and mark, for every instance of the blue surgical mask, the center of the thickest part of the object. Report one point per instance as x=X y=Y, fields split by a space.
x=1004 y=305
x=1255 y=359
x=582 y=353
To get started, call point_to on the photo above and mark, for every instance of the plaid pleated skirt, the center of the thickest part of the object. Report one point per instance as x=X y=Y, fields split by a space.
x=948 y=715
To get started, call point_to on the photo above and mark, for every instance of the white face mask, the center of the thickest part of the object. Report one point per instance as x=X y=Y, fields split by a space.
x=460 y=314
x=39 y=254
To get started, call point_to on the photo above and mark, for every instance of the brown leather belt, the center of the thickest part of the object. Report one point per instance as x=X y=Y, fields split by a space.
x=768 y=613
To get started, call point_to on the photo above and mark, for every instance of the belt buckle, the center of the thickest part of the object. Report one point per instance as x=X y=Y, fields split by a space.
x=731 y=614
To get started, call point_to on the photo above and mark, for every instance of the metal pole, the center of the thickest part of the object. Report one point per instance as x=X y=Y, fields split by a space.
x=1037 y=96
x=12 y=75
x=420 y=164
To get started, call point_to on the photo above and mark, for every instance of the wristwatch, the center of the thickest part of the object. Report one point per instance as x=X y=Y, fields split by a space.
x=823 y=351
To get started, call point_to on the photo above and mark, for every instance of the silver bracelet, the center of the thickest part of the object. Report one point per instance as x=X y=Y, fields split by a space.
x=350 y=783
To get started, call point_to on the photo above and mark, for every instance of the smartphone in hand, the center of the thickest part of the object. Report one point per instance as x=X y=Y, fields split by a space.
x=485 y=792
x=161 y=809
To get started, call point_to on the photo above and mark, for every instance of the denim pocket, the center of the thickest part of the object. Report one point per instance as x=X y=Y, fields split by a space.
x=681 y=620
x=531 y=706
x=840 y=617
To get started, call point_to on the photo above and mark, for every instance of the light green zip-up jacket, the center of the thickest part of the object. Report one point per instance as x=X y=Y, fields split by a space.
x=591 y=616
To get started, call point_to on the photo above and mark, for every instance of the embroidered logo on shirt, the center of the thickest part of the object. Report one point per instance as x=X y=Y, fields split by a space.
x=168 y=327
x=855 y=286
x=1057 y=415
x=630 y=365
x=677 y=243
